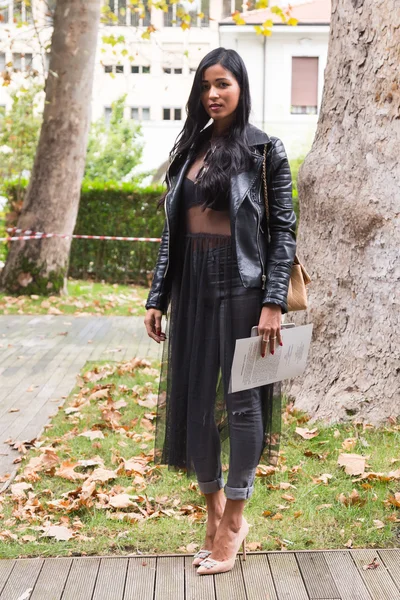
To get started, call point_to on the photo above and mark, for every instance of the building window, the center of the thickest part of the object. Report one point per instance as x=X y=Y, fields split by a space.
x=22 y=13
x=123 y=13
x=188 y=12
x=170 y=114
x=231 y=6
x=117 y=13
x=107 y=114
x=22 y=61
x=138 y=17
x=140 y=113
x=50 y=7
x=173 y=70
x=2 y=62
x=304 y=98
x=113 y=68
x=46 y=62
x=140 y=69
x=28 y=61
x=5 y=11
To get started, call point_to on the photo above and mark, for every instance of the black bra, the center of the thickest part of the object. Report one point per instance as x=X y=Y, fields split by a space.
x=192 y=195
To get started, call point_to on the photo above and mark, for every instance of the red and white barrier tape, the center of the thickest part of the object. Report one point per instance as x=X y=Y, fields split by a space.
x=37 y=235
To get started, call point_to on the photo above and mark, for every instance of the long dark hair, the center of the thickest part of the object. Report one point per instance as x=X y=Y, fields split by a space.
x=232 y=153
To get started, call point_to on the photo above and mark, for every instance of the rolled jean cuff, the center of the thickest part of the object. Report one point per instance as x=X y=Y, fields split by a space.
x=238 y=493
x=209 y=487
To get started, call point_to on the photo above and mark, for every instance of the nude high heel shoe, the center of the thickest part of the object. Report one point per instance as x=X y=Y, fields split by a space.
x=209 y=566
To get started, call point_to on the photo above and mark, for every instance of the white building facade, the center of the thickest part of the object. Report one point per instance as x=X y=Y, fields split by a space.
x=285 y=69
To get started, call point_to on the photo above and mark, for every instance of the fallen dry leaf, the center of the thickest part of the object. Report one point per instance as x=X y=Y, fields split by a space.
x=352 y=499
x=307 y=434
x=93 y=434
x=253 y=546
x=349 y=443
x=378 y=524
x=59 y=532
x=354 y=464
x=372 y=565
x=102 y=475
x=121 y=501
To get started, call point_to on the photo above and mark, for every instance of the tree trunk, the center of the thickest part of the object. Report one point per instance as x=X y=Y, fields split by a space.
x=349 y=230
x=52 y=198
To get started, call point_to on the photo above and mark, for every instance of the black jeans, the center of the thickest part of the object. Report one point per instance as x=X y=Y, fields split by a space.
x=229 y=312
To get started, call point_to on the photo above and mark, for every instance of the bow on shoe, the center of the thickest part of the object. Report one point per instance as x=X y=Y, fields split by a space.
x=202 y=554
x=209 y=563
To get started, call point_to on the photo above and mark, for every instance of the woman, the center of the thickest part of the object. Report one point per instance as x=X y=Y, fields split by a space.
x=218 y=274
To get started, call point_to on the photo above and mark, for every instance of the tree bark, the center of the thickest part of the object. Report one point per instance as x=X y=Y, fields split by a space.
x=52 y=198
x=349 y=230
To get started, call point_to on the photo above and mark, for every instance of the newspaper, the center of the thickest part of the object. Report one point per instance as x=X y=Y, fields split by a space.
x=250 y=370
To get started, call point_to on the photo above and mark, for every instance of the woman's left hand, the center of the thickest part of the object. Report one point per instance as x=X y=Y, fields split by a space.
x=269 y=327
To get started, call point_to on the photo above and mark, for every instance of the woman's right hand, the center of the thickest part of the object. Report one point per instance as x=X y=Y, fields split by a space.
x=152 y=323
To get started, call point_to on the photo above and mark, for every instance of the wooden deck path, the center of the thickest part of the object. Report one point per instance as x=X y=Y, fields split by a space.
x=303 y=575
x=40 y=357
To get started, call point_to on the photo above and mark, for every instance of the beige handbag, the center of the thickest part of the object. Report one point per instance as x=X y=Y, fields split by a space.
x=299 y=278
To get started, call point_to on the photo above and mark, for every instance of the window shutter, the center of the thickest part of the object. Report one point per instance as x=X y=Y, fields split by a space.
x=304 y=81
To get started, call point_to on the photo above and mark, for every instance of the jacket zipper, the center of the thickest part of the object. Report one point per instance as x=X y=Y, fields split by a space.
x=166 y=217
x=263 y=276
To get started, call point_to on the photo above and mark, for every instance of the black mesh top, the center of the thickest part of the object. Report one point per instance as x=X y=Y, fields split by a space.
x=200 y=218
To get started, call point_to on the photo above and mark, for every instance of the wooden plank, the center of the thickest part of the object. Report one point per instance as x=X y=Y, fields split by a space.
x=197 y=587
x=257 y=577
x=378 y=581
x=81 y=579
x=317 y=576
x=346 y=576
x=140 y=579
x=6 y=566
x=287 y=577
x=110 y=581
x=391 y=558
x=52 y=578
x=23 y=577
x=230 y=585
x=170 y=578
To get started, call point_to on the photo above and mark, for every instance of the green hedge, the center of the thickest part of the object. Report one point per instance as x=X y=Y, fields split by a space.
x=117 y=210
x=110 y=209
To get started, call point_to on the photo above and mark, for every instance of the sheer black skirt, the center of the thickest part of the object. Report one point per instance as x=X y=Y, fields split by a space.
x=209 y=309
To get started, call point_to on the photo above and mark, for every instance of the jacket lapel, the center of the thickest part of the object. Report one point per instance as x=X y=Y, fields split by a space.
x=242 y=182
x=173 y=194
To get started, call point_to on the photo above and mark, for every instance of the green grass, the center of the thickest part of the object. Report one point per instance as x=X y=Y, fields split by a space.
x=83 y=297
x=291 y=525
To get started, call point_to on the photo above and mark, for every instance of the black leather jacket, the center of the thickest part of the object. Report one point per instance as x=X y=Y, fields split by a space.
x=262 y=262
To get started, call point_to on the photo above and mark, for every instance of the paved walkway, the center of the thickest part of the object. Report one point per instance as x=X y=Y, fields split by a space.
x=303 y=575
x=40 y=357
